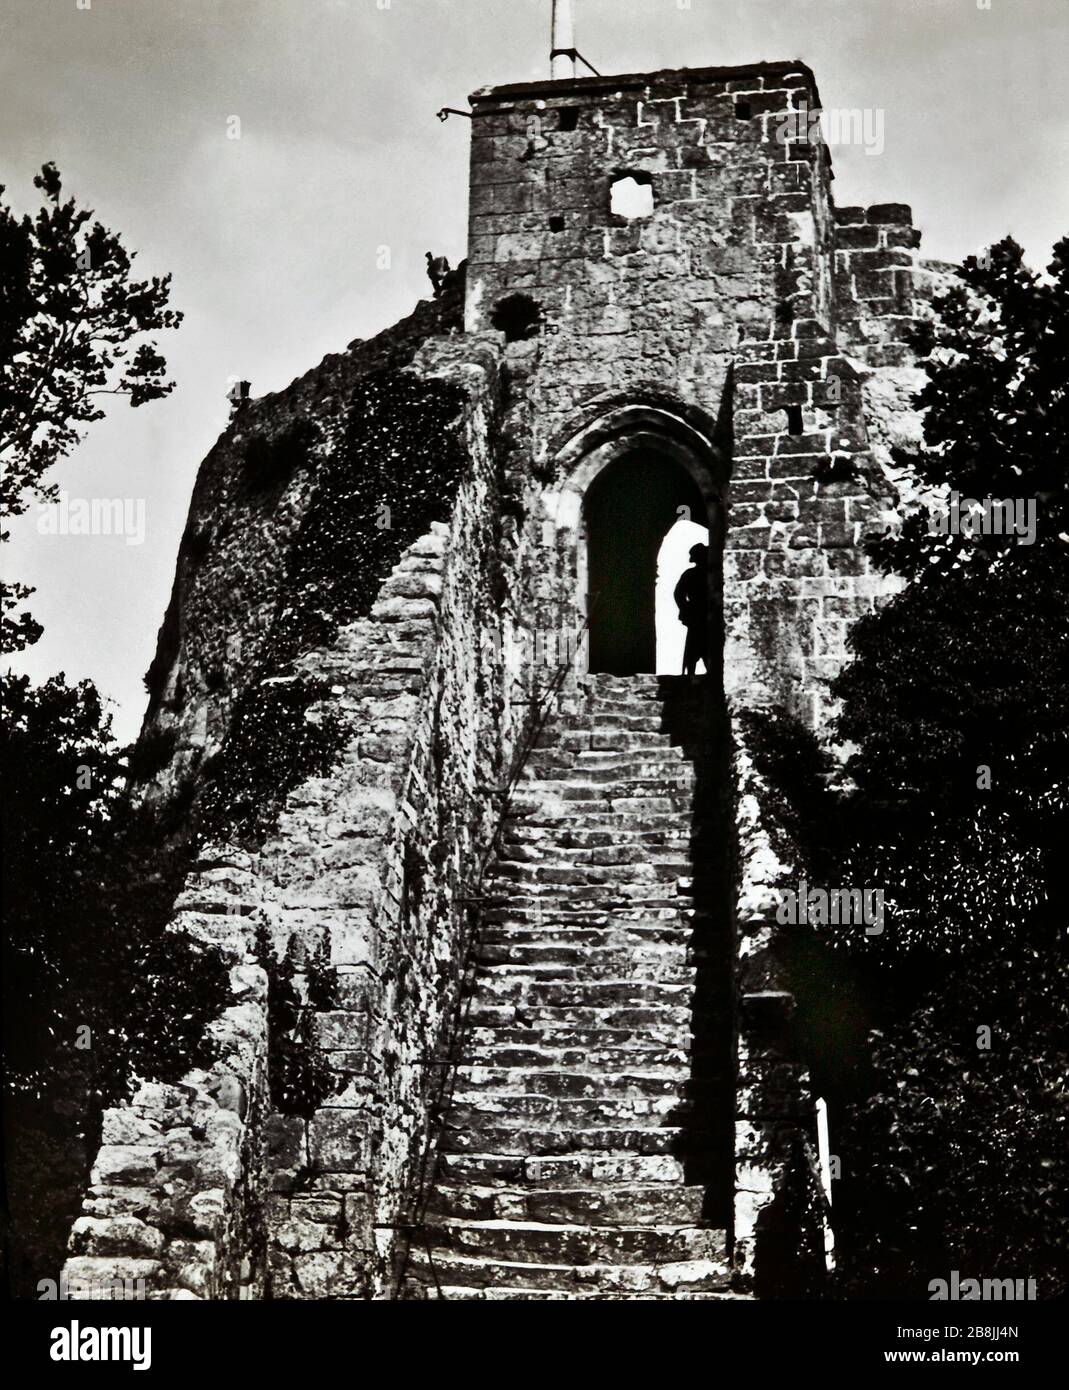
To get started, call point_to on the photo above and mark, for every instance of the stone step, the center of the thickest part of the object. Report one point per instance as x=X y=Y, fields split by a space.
x=603 y=860
x=519 y=834
x=594 y=1019
x=665 y=1061
x=595 y=960
x=561 y=1139
x=607 y=899
x=567 y=940
x=481 y=1112
x=513 y=873
x=606 y=765
x=599 y=785
x=583 y=1169
x=624 y=813
x=637 y=719
x=462 y=1294
x=559 y=1244
x=513 y=988
x=607 y=738
x=502 y=911
x=662 y=1204
x=671 y=968
x=499 y=1082
x=532 y=958
x=645 y=1037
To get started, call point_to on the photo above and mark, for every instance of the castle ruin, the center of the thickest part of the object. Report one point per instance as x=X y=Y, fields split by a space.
x=525 y=898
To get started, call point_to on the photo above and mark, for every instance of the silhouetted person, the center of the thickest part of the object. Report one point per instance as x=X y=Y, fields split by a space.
x=692 y=600
x=437 y=270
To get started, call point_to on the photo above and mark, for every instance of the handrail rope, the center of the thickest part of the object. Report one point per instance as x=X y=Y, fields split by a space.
x=428 y=1171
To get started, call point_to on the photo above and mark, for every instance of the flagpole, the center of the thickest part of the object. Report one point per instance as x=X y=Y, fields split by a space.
x=562 y=48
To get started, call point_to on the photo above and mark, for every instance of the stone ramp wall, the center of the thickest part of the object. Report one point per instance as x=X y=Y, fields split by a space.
x=775 y=1117
x=203 y=1188
x=251 y=494
x=403 y=828
x=174 y=1196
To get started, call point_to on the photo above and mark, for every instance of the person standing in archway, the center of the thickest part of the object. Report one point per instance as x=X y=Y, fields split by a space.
x=692 y=600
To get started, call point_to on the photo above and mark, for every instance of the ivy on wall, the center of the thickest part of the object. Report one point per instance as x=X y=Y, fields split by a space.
x=394 y=471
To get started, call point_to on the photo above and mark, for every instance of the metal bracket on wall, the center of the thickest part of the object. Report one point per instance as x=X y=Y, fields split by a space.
x=574 y=55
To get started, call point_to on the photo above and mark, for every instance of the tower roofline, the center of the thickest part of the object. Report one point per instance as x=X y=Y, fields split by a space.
x=581 y=86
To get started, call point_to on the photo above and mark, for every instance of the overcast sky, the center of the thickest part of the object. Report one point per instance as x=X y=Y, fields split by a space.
x=272 y=238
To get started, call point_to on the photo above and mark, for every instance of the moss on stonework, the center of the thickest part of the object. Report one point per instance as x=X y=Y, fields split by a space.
x=393 y=473
x=270 y=462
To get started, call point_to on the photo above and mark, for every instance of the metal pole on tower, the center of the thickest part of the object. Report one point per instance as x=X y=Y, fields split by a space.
x=562 y=47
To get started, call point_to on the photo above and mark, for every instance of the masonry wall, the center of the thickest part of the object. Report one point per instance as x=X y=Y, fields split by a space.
x=722 y=307
x=408 y=821
x=221 y=1187
x=749 y=319
x=244 y=514
x=749 y=313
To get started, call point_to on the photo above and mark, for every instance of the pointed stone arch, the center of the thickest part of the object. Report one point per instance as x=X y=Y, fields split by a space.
x=623 y=439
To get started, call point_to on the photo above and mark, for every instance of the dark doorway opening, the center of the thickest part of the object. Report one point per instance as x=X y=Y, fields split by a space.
x=629 y=509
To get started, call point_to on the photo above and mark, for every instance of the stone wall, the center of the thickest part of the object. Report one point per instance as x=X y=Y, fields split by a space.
x=207 y=1187
x=383 y=856
x=176 y=1190
x=775 y=1122
x=237 y=539
x=744 y=304
x=631 y=304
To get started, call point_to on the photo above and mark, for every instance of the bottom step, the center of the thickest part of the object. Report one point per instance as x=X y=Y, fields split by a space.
x=465 y=1294
x=504 y=1278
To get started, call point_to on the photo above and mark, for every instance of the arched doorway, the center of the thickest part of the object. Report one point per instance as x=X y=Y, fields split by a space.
x=629 y=509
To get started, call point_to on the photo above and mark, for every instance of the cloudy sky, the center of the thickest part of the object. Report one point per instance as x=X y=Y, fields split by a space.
x=272 y=238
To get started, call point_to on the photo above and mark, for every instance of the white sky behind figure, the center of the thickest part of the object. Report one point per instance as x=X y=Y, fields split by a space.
x=672 y=559
x=273 y=238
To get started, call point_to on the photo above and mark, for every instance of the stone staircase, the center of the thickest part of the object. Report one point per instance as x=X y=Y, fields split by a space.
x=586 y=1149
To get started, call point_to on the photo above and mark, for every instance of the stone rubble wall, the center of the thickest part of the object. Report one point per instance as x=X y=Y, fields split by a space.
x=775 y=1122
x=201 y=1188
x=237 y=540
x=175 y=1195
x=404 y=827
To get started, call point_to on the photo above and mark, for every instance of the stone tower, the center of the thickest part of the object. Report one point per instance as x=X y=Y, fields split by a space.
x=525 y=888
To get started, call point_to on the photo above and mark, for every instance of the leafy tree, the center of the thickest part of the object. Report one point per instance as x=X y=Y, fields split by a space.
x=69 y=317
x=96 y=991
x=88 y=887
x=955 y=700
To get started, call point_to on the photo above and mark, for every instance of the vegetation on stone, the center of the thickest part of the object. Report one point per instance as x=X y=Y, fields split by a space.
x=953 y=1151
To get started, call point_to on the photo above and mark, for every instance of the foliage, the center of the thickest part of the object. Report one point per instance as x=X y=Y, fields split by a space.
x=278 y=736
x=362 y=515
x=953 y=1155
x=299 y=1077
x=88 y=888
x=69 y=315
x=269 y=463
x=955 y=700
x=96 y=992
x=958 y=1159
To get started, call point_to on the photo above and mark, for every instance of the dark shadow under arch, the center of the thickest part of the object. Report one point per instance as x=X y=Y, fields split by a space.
x=629 y=509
